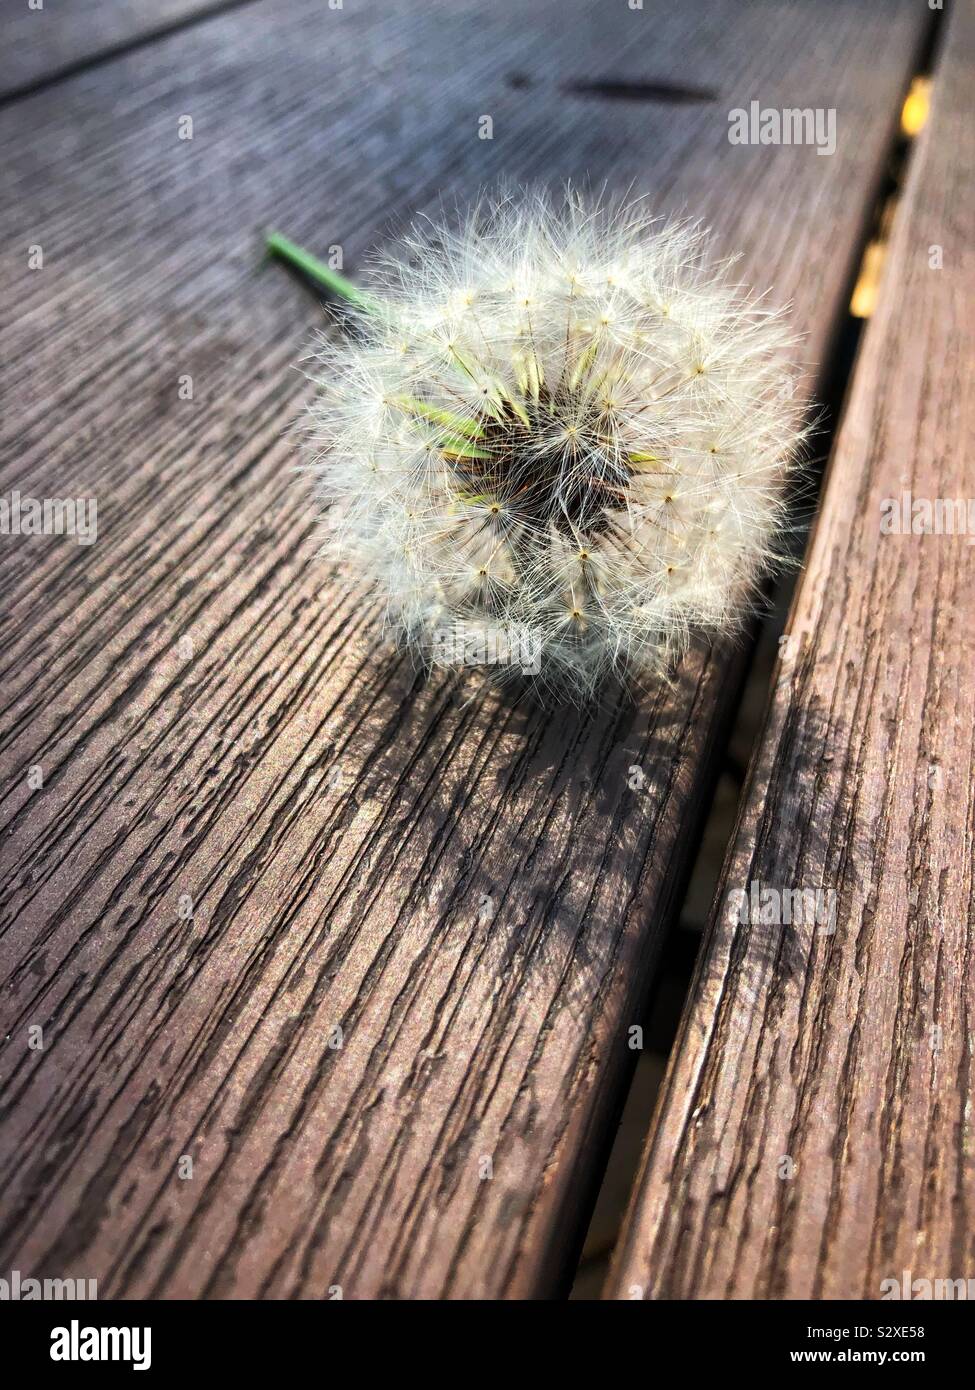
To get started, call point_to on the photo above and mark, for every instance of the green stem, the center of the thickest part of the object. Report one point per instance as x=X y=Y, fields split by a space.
x=280 y=246
x=461 y=443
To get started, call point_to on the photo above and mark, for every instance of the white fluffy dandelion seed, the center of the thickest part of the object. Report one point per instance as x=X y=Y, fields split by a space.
x=558 y=431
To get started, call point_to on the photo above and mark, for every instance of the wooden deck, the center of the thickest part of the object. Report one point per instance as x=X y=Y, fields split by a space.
x=367 y=955
x=845 y=1049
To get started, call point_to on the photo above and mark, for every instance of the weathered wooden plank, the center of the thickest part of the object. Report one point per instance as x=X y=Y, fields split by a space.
x=845 y=1059
x=54 y=39
x=474 y=893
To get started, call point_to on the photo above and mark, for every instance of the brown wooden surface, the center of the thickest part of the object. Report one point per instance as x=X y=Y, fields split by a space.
x=821 y=1048
x=48 y=43
x=338 y=823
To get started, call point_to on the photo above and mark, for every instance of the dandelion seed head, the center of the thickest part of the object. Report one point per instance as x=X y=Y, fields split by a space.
x=564 y=422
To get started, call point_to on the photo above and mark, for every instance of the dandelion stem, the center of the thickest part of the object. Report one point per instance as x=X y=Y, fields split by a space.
x=285 y=250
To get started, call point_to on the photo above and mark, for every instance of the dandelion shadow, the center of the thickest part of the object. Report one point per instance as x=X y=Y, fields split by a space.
x=537 y=836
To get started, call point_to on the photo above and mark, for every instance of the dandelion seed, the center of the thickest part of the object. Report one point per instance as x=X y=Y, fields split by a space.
x=531 y=438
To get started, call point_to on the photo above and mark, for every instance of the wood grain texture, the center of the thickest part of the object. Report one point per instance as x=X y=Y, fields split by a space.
x=48 y=43
x=851 y=1054
x=471 y=892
